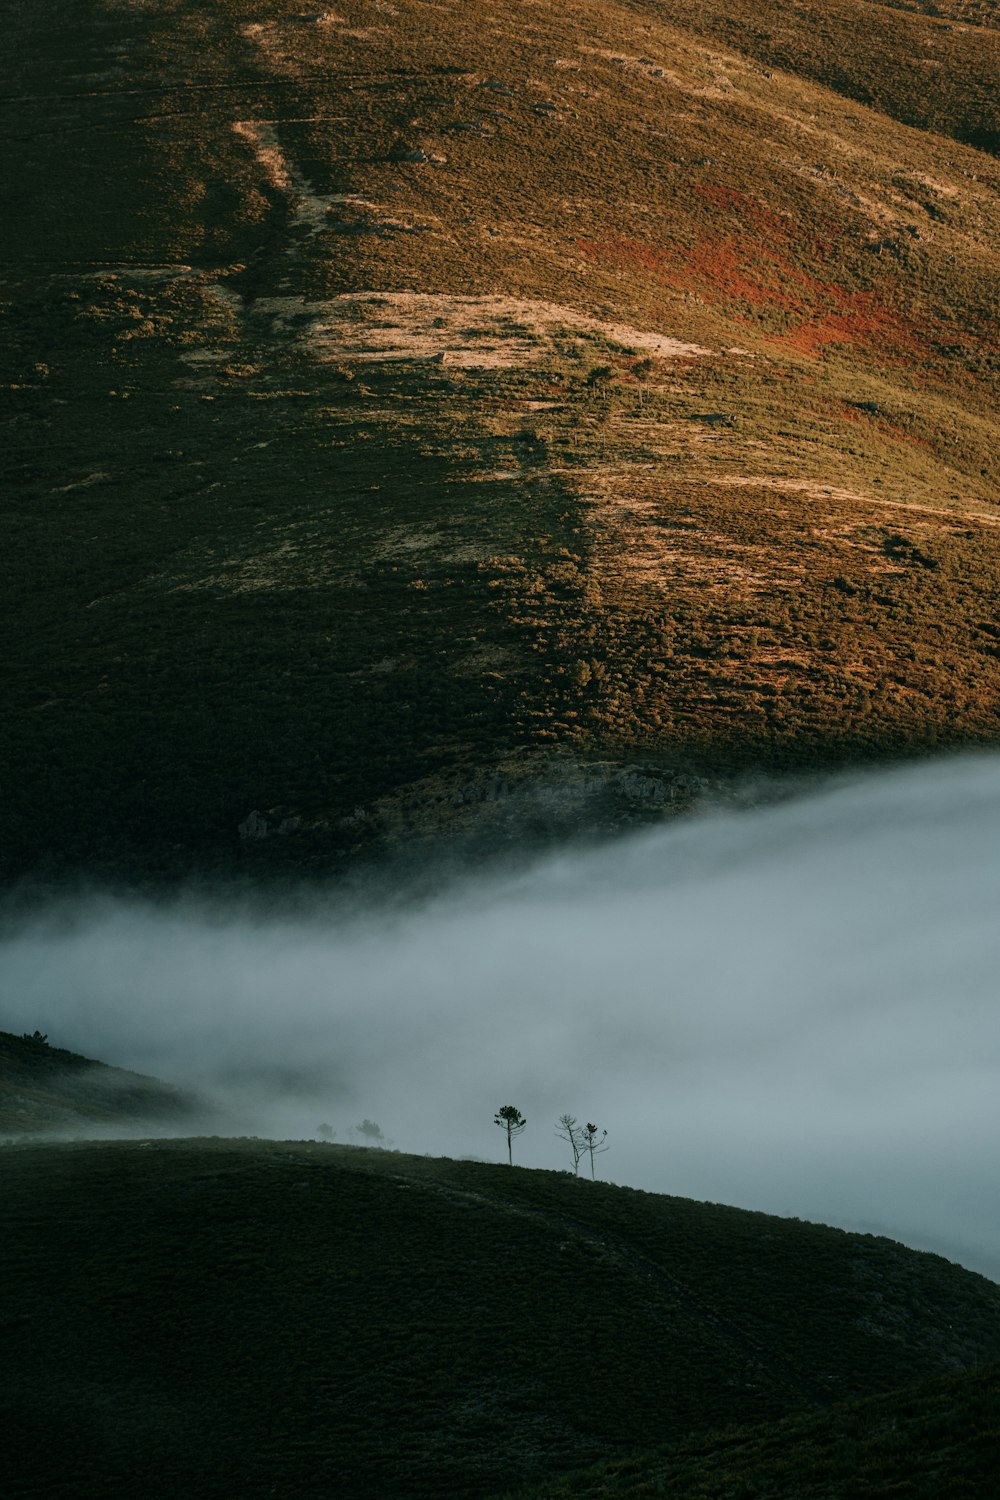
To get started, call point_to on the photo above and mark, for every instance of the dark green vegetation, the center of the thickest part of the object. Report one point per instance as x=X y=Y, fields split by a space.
x=45 y=1088
x=353 y=478
x=921 y=1443
x=244 y=1317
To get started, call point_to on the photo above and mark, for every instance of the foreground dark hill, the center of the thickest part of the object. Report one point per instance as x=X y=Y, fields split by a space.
x=46 y=1089
x=244 y=1317
x=413 y=408
x=924 y=1442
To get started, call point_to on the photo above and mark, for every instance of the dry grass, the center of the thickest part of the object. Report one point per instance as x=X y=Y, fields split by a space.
x=617 y=345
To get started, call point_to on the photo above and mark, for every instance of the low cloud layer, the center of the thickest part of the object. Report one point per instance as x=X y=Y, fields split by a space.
x=792 y=1009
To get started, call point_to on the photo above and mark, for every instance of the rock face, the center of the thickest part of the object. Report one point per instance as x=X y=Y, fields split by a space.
x=532 y=801
x=255 y=826
x=639 y=787
x=529 y=800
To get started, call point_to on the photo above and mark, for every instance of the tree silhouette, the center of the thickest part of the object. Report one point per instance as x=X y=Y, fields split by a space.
x=512 y=1122
x=371 y=1133
x=568 y=1130
x=593 y=1142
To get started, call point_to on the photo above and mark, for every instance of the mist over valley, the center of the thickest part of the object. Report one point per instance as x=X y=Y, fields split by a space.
x=501 y=585
x=791 y=1008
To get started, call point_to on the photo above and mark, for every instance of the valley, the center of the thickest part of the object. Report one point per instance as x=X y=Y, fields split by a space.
x=439 y=444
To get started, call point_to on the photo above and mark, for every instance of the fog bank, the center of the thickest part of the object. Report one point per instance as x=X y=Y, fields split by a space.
x=792 y=1009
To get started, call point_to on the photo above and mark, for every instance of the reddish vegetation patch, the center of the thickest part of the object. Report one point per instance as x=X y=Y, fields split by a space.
x=861 y=322
x=757 y=221
x=756 y=273
x=752 y=214
x=760 y=266
x=719 y=265
x=891 y=430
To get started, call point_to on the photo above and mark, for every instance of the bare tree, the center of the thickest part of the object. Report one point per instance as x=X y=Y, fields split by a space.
x=512 y=1122
x=568 y=1130
x=593 y=1142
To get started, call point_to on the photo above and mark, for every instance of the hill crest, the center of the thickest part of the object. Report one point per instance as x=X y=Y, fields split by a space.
x=425 y=1324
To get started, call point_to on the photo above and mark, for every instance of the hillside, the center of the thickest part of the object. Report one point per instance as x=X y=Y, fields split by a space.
x=319 y=1318
x=938 y=1439
x=45 y=1089
x=412 y=410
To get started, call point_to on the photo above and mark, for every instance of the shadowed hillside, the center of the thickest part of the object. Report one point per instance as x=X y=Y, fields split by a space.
x=420 y=419
x=45 y=1089
x=938 y=1439
x=239 y=1316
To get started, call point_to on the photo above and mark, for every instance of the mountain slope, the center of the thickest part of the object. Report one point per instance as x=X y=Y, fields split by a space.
x=922 y=1442
x=44 y=1088
x=411 y=409
x=314 y=1317
x=934 y=68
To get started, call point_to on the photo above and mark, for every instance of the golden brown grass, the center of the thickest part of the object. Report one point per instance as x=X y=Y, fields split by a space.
x=610 y=371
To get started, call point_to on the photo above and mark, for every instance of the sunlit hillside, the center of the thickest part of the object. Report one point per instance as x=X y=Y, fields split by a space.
x=413 y=405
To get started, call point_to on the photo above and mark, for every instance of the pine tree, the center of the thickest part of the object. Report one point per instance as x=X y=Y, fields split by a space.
x=510 y=1120
x=593 y=1142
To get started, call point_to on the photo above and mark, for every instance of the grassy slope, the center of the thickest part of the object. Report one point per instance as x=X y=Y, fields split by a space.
x=45 y=1088
x=936 y=71
x=249 y=568
x=223 y=1317
x=938 y=1439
